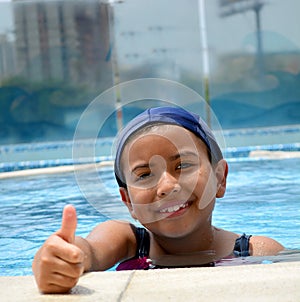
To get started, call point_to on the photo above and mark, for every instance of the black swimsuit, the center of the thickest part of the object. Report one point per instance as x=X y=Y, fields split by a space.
x=141 y=260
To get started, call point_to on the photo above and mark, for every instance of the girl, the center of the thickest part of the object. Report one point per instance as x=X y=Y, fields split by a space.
x=170 y=171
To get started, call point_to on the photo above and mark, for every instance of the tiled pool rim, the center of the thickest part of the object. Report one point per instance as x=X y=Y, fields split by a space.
x=52 y=154
x=236 y=153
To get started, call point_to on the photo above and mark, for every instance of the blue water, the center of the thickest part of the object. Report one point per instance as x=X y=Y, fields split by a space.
x=263 y=198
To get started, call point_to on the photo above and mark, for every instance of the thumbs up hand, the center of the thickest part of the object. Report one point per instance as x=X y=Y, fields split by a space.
x=58 y=264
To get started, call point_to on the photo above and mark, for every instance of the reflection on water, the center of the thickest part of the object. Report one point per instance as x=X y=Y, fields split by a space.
x=287 y=255
x=205 y=259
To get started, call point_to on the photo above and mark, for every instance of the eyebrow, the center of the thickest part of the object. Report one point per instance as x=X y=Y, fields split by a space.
x=172 y=158
x=139 y=167
x=184 y=154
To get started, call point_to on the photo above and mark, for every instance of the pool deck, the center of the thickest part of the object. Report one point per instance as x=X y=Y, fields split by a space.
x=259 y=282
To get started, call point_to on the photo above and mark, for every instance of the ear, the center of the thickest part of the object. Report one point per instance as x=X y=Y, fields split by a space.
x=126 y=200
x=221 y=171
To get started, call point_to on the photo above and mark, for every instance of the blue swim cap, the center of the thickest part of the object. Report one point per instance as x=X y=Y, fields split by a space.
x=166 y=115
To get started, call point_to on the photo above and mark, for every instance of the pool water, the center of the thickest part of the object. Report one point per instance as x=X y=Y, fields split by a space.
x=262 y=198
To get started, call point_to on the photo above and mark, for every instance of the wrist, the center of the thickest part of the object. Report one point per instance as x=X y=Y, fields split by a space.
x=86 y=249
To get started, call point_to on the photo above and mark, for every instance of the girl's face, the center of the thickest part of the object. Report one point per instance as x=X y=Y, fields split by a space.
x=171 y=185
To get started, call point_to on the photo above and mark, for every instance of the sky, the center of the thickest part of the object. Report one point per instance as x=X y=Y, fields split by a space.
x=279 y=19
x=284 y=12
x=179 y=29
x=5 y=16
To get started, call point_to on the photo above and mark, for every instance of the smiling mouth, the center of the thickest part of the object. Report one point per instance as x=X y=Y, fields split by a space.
x=175 y=208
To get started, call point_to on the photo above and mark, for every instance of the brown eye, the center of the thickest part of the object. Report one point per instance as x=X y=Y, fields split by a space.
x=143 y=176
x=184 y=165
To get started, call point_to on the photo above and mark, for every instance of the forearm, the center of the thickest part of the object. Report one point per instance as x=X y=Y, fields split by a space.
x=97 y=256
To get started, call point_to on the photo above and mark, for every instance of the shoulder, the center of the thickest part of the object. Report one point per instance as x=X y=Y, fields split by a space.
x=264 y=246
x=114 y=235
x=113 y=229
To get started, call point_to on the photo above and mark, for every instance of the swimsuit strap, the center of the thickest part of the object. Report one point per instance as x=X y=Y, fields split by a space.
x=140 y=260
x=241 y=247
x=143 y=243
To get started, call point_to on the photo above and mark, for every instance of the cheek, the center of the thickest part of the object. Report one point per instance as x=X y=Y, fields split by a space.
x=140 y=196
x=144 y=206
x=194 y=180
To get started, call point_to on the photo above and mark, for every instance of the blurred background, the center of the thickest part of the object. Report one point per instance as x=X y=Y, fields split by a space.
x=242 y=56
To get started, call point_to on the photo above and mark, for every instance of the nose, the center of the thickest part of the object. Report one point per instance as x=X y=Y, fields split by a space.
x=167 y=184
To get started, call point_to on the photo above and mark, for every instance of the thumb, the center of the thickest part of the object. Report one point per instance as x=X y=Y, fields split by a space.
x=68 y=224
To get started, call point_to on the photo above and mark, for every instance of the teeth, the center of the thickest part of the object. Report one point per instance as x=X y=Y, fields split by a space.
x=174 y=208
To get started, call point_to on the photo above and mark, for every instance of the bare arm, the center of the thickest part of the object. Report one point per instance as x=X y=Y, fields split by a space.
x=107 y=244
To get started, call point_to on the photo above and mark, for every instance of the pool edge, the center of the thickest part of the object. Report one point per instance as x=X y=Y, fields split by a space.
x=260 y=282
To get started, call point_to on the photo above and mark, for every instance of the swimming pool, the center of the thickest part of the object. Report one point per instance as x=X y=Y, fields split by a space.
x=263 y=198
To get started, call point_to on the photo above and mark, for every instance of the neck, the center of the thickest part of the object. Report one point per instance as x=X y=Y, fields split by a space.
x=200 y=241
x=195 y=249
